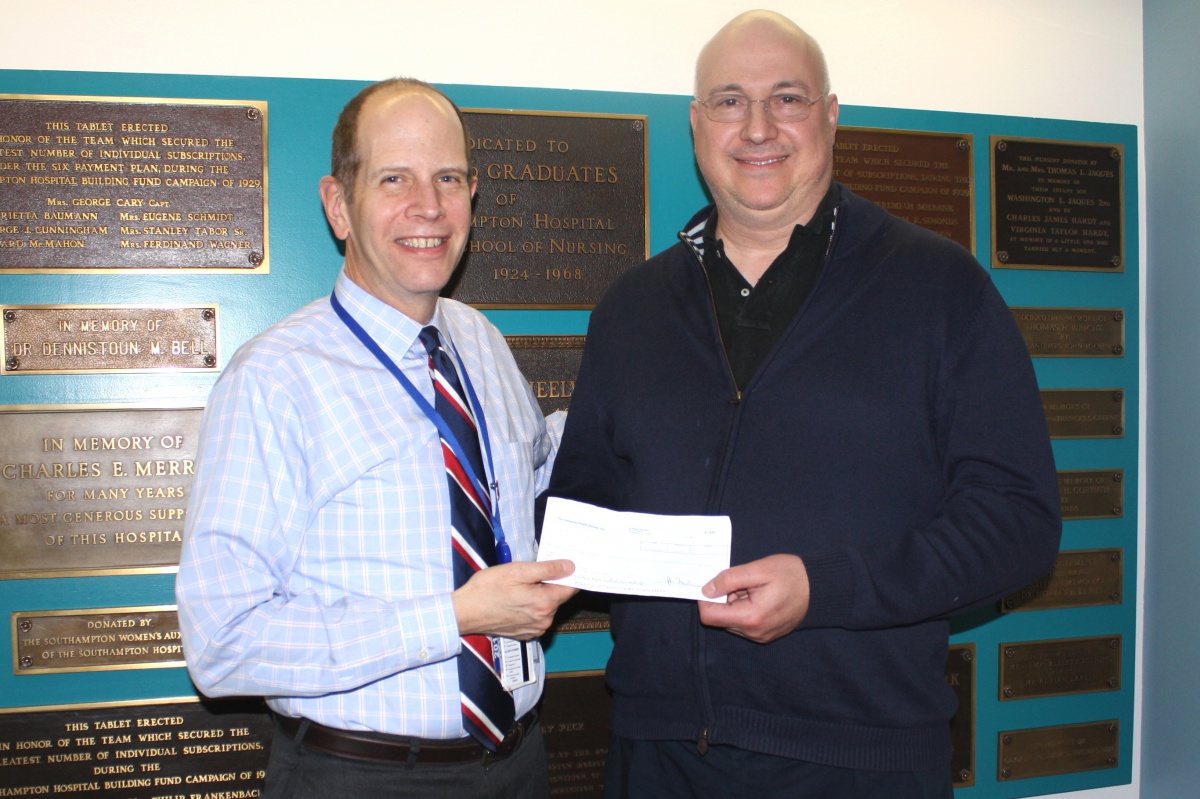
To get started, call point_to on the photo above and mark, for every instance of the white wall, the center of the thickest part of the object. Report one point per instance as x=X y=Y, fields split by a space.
x=1067 y=59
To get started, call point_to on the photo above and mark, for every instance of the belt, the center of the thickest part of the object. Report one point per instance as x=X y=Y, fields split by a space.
x=382 y=748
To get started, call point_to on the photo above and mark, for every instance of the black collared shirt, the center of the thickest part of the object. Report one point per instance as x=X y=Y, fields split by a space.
x=752 y=318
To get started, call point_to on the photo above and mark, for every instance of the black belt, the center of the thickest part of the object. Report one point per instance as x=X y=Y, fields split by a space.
x=383 y=748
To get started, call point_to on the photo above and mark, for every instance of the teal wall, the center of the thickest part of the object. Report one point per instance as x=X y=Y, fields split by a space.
x=305 y=259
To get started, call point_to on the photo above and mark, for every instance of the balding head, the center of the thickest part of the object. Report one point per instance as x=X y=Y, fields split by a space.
x=746 y=32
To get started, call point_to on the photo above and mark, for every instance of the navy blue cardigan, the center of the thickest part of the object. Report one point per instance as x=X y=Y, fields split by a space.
x=894 y=439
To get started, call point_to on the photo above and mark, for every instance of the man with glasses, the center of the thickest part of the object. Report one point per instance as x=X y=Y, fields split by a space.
x=853 y=393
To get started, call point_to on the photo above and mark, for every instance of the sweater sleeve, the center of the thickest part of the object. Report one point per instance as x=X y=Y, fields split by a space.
x=998 y=524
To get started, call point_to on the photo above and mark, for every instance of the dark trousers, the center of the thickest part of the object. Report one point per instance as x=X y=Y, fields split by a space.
x=296 y=771
x=675 y=770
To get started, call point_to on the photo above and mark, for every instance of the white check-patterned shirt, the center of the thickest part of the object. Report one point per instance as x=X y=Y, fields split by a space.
x=316 y=566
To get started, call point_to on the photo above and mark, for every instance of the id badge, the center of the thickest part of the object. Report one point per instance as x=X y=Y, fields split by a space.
x=514 y=660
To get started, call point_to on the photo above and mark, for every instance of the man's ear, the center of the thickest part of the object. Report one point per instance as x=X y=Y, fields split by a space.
x=333 y=197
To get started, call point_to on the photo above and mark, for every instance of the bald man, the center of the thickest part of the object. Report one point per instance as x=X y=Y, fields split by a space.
x=346 y=552
x=853 y=393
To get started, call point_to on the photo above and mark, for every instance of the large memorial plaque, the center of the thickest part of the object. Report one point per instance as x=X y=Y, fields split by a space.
x=1072 y=332
x=1079 y=578
x=1057 y=205
x=550 y=364
x=181 y=750
x=960 y=675
x=1092 y=493
x=94 y=490
x=99 y=639
x=1084 y=413
x=97 y=184
x=1060 y=667
x=923 y=177
x=575 y=712
x=561 y=209
x=72 y=339
x=586 y=612
x=1067 y=749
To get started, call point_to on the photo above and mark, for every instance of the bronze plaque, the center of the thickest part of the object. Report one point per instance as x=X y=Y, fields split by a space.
x=586 y=612
x=925 y=178
x=1057 y=205
x=94 y=490
x=1079 y=578
x=1092 y=493
x=136 y=751
x=1072 y=332
x=97 y=184
x=561 y=209
x=575 y=712
x=102 y=639
x=1066 y=749
x=1060 y=667
x=1085 y=412
x=74 y=339
x=550 y=364
x=960 y=675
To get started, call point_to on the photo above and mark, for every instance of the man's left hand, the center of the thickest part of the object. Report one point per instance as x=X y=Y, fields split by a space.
x=767 y=598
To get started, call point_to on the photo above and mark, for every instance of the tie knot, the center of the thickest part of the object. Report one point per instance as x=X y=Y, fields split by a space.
x=429 y=337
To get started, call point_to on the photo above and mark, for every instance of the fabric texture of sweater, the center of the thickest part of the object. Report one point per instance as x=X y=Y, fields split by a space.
x=893 y=438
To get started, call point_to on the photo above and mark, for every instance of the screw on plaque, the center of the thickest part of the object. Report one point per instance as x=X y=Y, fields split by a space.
x=10 y=316
x=11 y=364
x=962 y=144
x=964 y=775
x=208 y=314
x=1115 y=260
x=1112 y=728
x=1114 y=556
x=1118 y=349
x=252 y=114
x=26 y=661
x=1118 y=430
x=1010 y=603
x=965 y=654
x=1118 y=477
x=1114 y=643
x=637 y=125
x=26 y=625
x=1002 y=256
x=1114 y=154
x=1116 y=510
x=1008 y=691
x=255 y=258
x=1114 y=683
x=1007 y=739
x=1114 y=597
x=1118 y=316
x=1001 y=146
x=210 y=361
x=1009 y=652
x=1005 y=773
x=1117 y=396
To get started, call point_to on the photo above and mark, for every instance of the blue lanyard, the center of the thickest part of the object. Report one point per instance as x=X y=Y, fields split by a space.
x=503 y=554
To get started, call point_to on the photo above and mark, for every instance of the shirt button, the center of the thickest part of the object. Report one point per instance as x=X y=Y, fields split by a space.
x=423 y=654
x=745 y=292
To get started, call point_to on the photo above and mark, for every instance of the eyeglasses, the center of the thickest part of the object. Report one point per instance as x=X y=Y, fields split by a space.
x=780 y=107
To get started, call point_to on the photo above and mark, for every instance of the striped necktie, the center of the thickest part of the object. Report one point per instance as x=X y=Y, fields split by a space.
x=487 y=708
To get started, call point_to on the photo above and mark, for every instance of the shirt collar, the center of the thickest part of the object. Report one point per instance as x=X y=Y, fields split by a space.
x=393 y=330
x=815 y=226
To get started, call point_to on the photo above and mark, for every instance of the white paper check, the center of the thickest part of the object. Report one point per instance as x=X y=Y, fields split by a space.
x=644 y=554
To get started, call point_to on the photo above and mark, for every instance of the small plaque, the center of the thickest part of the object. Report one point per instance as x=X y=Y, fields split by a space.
x=1057 y=205
x=925 y=178
x=561 y=209
x=550 y=364
x=1080 y=578
x=1067 y=749
x=77 y=339
x=93 y=490
x=960 y=675
x=586 y=612
x=1060 y=667
x=1084 y=413
x=100 y=184
x=1092 y=493
x=137 y=751
x=575 y=712
x=103 y=639
x=1072 y=332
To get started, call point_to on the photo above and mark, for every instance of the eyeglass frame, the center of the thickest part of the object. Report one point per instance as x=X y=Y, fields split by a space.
x=766 y=101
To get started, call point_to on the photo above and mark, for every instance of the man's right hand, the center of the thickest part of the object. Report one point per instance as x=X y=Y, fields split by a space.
x=512 y=600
